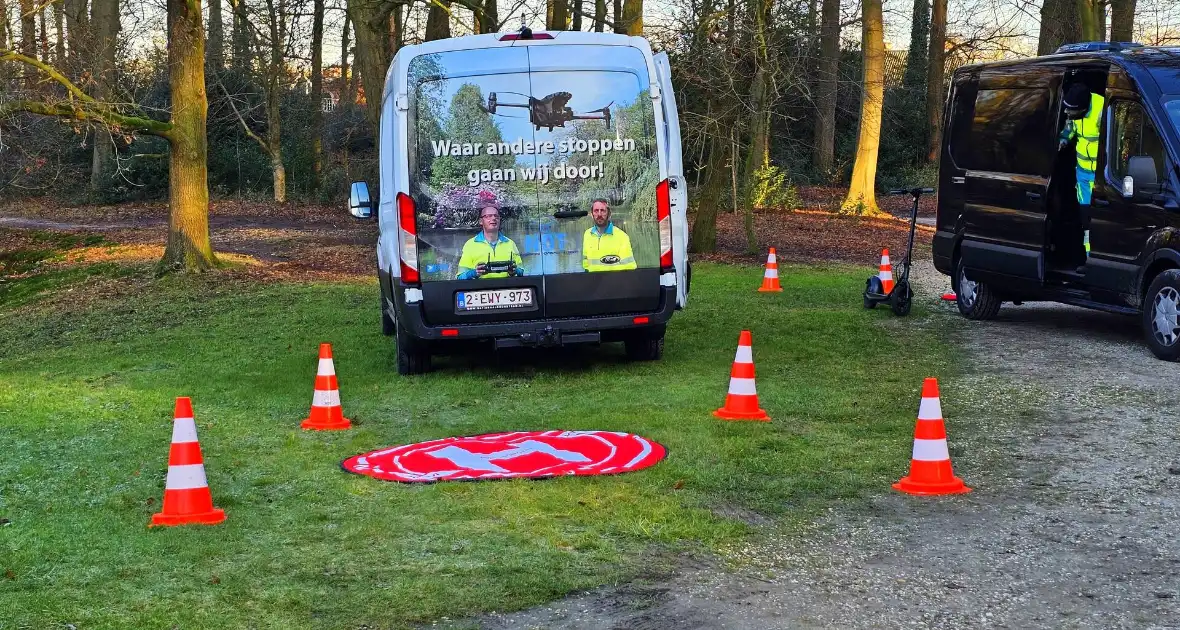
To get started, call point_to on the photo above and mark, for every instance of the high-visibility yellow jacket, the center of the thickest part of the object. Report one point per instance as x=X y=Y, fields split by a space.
x=609 y=250
x=477 y=250
x=1086 y=131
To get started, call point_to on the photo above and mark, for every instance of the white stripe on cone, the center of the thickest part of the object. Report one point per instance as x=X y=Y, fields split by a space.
x=884 y=260
x=186 y=477
x=326 y=368
x=326 y=399
x=745 y=354
x=887 y=275
x=184 y=430
x=930 y=409
x=771 y=273
x=742 y=386
x=771 y=258
x=931 y=451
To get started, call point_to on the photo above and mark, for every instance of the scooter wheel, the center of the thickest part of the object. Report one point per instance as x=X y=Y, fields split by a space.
x=872 y=286
x=901 y=299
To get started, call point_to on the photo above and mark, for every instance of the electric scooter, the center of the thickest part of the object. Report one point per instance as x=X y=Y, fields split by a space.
x=901 y=297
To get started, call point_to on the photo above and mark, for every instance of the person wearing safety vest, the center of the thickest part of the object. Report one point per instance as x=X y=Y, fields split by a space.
x=1083 y=112
x=489 y=246
x=604 y=246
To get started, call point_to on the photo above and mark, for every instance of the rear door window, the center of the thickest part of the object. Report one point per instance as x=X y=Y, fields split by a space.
x=592 y=113
x=464 y=159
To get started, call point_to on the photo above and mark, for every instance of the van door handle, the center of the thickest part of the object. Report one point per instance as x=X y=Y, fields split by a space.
x=1032 y=195
x=570 y=214
x=1100 y=202
x=958 y=180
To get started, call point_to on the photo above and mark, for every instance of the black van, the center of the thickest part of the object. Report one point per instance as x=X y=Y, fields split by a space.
x=1009 y=226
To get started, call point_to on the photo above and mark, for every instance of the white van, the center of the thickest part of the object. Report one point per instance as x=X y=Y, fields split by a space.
x=497 y=155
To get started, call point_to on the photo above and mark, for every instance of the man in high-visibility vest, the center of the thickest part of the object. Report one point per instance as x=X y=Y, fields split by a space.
x=1083 y=111
x=604 y=246
x=482 y=252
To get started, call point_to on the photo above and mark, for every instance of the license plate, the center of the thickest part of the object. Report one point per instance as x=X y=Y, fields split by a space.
x=493 y=299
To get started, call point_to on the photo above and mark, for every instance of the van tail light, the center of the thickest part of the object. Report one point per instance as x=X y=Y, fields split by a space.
x=512 y=37
x=664 y=216
x=408 y=230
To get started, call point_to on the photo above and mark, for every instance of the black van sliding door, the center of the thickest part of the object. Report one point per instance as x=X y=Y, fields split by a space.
x=1008 y=160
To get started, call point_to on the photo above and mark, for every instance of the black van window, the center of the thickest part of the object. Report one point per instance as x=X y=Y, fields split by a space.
x=1008 y=132
x=1131 y=135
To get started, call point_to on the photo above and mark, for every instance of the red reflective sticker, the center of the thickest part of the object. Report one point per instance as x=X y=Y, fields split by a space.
x=532 y=454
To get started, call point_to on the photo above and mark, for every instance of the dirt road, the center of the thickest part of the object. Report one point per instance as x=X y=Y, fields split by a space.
x=1065 y=426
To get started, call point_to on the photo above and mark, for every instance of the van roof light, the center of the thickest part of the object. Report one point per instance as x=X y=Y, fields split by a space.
x=1096 y=46
x=525 y=33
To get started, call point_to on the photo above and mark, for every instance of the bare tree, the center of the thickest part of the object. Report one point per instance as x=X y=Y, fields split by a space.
x=825 y=93
x=317 y=93
x=862 y=198
x=104 y=24
x=936 y=72
x=1122 y=20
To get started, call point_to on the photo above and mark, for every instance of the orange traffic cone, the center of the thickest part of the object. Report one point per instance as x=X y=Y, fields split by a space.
x=186 y=491
x=886 y=273
x=326 y=412
x=930 y=464
x=741 y=403
x=770 y=277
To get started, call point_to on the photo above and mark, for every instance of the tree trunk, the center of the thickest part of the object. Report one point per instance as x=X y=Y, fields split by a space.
x=43 y=32
x=633 y=17
x=241 y=35
x=825 y=93
x=438 y=22
x=862 y=197
x=758 y=157
x=1060 y=24
x=4 y=29
x=347 y=98
x=704 y=226
x=491 y=16
x=104 y=23
x=189 y=247
x=916 y=63
x=274 y=120
x=59 y=23
x=28 y=40
x=317 y=94
x=617 y=16
x=935 y=77
x=1122 y=20
x=556 y=15
x=372 y=55
x=1089 y=12
x=77 y=25
x=577 y=20
x=216 y=57
x=599 y=15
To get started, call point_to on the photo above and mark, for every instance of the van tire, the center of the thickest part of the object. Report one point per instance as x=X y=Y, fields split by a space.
x=978 y=304
x=413 y=357
x=1165 y=288
x=645 y=345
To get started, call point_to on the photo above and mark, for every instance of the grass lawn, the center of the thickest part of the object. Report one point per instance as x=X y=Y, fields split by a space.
x=86 y=405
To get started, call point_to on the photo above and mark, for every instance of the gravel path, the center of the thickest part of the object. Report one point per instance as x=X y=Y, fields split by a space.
x=1072 y=522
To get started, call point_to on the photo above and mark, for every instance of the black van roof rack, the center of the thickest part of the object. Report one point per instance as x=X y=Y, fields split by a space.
x=1096 y=46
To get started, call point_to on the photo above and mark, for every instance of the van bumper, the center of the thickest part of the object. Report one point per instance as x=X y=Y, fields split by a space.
x=540 y=332
x=942 y=249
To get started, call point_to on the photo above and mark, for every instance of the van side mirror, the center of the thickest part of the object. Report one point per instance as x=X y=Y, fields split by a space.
x=359 y=204
x=1141 y=169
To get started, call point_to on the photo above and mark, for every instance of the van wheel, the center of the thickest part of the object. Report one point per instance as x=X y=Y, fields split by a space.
x=412 y=355
x=1160 y=323
x=976 y=300
x=645 y=345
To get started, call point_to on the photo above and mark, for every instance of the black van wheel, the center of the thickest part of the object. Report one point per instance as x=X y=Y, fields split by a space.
x=645 y=345
x=1161 y=325
x=976 y=300
x=412 y=355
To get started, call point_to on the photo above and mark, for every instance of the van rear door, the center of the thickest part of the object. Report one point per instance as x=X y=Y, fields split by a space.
x=471 y=145
x=593 y=117
x=674 y=161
